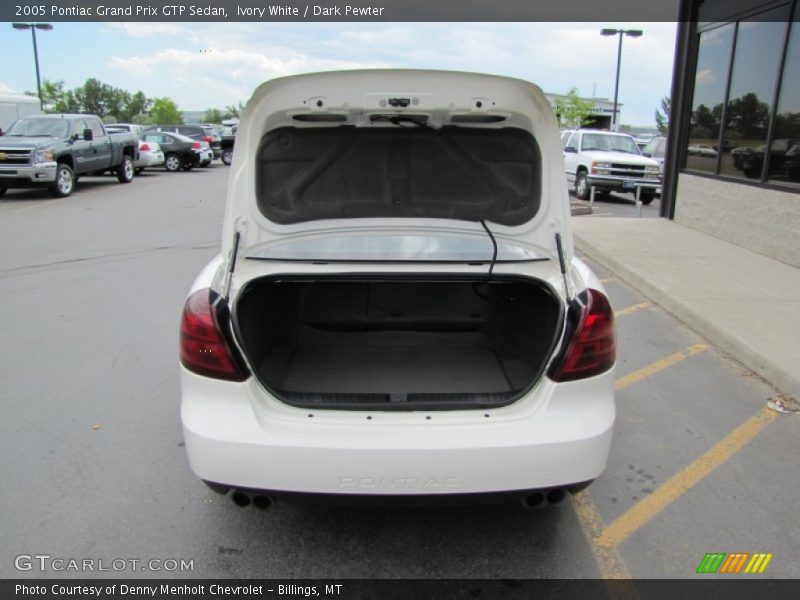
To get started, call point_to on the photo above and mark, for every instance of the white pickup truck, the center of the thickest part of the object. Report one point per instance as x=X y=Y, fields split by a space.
x=609 y=162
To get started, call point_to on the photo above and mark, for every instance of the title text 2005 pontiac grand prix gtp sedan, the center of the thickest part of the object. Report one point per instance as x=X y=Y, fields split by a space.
x=397 y=312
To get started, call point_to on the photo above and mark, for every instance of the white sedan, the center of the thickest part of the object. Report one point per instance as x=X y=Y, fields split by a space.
x=397 y=310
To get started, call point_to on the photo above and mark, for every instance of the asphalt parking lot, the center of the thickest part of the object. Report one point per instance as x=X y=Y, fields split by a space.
x=93 y=464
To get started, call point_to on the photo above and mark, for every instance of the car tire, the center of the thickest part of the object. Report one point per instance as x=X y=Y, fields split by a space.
x=64 y=184
x=647 y=198
x=173 y=163
x=125 y=170
x=227 y=156
x=582 y=188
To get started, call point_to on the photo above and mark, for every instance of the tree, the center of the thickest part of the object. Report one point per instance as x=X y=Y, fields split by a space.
x=574 y=111
x=662 y=116
x=164 y=110
x=749 y=116
x=213 y=115
x=233 y=110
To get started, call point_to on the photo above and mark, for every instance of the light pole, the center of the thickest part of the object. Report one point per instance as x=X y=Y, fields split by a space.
x=33 y=27
x=620 y=32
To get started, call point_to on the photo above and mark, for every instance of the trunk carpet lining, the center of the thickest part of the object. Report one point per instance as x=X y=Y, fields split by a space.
x=392 y=369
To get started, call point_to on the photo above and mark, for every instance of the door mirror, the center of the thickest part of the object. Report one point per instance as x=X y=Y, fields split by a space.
x=571 y=149
x=88 y=135
x=647 y=154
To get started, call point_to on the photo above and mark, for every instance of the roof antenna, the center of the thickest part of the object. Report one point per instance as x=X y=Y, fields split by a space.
x=494 y=250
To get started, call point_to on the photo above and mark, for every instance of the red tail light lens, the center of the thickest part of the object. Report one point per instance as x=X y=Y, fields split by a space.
x=197 y=145
x=203 y=347
x=208 y=139
x=593 y=348
x=144 y=148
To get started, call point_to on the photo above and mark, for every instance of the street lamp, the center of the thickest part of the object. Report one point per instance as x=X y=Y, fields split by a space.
x=608 y=32
x=33 y=27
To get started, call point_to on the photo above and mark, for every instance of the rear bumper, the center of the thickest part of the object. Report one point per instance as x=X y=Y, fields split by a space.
x=149 y=159
x=28 y=175
x=237 y=436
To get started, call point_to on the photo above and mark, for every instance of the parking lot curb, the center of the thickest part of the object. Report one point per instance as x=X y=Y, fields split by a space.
x=729 y=343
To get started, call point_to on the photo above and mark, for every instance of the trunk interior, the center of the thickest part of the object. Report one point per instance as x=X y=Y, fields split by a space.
x=389 y=344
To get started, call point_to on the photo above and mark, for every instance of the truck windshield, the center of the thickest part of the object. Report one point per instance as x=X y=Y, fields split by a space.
x=609 y=143
x=394 y=248
x=39 y=127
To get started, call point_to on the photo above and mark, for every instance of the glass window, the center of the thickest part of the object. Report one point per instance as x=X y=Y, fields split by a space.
x=78 y=126
x=96 y=127
x=572 y=141
x=784 y=161
x=651 y=147
x=609 y=143
x=710 y=78
x=759 y=45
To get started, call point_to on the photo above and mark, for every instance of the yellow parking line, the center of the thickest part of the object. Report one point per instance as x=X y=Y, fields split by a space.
x=632 y=309
x=684 y=480
x=659 y=365
x=608 y=559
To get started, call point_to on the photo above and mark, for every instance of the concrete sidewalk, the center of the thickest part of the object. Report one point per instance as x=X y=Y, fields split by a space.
x=745 y=303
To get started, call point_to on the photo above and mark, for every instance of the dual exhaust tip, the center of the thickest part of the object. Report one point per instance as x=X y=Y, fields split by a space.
x=544 y=498
x=244 y=499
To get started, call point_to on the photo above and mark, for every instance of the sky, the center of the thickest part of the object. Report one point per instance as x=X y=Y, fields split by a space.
x=211 y=65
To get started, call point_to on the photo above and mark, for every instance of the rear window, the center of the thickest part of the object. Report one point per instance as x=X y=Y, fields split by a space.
x=462 y=173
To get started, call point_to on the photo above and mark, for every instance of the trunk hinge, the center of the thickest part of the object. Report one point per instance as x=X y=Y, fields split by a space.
x=226 y=286
x=563 y=264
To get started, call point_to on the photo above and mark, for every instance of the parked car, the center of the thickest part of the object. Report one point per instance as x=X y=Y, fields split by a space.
x=53 y=151
x=150 y=153
x=204 y=133
x=609 y=162
x=702 y=150
x=180 y=152
x=642 y=139
x=228 y=139
x=656 y=149
x=783 y=159
x=397 y=308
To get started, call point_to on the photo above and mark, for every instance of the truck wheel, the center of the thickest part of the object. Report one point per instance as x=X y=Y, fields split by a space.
x=227 y=156
x=64 y=183
x=582 y=188
x=125 y=170
x=647 y=198
x=173 y=162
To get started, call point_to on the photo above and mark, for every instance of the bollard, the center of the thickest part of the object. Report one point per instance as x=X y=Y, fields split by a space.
x=638 y=201
x=591 y=196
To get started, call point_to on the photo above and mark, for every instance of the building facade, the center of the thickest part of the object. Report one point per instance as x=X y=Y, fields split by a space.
x=733 y=158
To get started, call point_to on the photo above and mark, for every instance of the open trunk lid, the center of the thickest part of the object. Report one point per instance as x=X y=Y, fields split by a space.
x=326 y=161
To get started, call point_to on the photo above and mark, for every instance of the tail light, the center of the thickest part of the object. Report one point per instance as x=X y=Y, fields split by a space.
x=208 y=139
x=144 y=148
x=204 y=348
x=592 y=348
x=197 y=145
